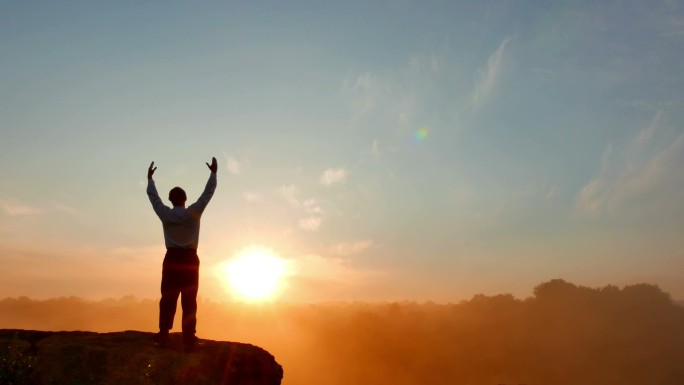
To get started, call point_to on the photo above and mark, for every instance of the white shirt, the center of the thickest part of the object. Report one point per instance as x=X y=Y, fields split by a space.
x=181 y=225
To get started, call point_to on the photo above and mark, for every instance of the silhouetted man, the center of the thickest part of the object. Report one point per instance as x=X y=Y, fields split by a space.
x=180 y=272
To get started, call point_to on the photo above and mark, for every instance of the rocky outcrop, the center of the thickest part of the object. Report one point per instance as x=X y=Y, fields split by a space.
x=129 y=357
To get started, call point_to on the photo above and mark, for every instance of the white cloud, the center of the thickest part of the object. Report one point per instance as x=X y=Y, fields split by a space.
x=233 y=166
x=291 y=194
x=333 y=175
x=251 y=197
x=310 y=223
x=351 y=248
x=12 y=207
x=311 y=206
x=645 y=171
x=375 y=149
x=488 y=77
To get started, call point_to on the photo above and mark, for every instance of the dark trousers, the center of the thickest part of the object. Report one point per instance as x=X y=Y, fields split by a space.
x=180 y=276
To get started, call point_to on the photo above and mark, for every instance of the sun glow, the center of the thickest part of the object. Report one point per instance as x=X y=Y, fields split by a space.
x=254 y=275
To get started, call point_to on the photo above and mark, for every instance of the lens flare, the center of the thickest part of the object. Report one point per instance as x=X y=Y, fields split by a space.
x=421 y=134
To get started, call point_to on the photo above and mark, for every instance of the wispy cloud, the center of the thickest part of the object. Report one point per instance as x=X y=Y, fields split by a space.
x=351 y=248
x=323 y=278
x=233 y=166
x=251 y=197
x=375 y=149
x=66 y=209
x=645 y=170
x=550 y=192
x=402 y=98
x=333 y=175
x=311 y=206
x=291 y=194
x=369 y=91
x=487 y=78
x=310 y=223
x=12 y=207
x=646 y=134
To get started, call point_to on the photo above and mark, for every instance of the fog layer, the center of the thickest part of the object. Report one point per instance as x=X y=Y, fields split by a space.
x=563 y=334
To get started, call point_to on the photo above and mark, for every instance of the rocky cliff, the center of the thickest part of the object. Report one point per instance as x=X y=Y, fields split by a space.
x=129 y=357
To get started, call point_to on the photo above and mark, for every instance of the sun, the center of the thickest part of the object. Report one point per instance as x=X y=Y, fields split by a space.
x=254 y=275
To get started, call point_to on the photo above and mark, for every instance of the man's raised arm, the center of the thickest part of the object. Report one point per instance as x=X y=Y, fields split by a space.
x=157 y=203
x=209 y=189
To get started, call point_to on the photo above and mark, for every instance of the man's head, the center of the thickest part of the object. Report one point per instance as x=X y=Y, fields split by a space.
x=177 y=196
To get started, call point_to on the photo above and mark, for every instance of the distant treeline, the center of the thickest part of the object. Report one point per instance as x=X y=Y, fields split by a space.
x=563 y=335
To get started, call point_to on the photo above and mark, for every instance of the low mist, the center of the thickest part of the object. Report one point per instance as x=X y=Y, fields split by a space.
x=563 y=334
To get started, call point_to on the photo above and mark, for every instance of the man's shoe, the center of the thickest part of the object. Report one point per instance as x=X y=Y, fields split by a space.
x=161 y=339
x=192 y=344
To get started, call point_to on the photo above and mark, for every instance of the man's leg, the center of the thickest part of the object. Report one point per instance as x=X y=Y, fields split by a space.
x=167 y=309
x=189 y=304
x=189 y=300
x=170 y=289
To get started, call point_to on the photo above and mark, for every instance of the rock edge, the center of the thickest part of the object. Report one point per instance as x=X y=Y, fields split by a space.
x=128 y=357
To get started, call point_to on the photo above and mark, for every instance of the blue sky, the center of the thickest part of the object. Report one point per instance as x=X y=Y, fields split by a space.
x=393 y=150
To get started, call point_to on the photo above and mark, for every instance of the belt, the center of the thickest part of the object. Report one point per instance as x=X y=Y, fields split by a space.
x=179 y=249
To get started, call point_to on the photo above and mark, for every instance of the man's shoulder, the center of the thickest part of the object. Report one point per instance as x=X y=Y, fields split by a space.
x=183 y=211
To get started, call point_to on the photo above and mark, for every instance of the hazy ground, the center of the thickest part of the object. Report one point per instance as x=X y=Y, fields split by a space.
x=564 y=334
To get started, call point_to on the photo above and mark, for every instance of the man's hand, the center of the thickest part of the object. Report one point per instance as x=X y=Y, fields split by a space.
x=213 y=167
x=150 y=171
